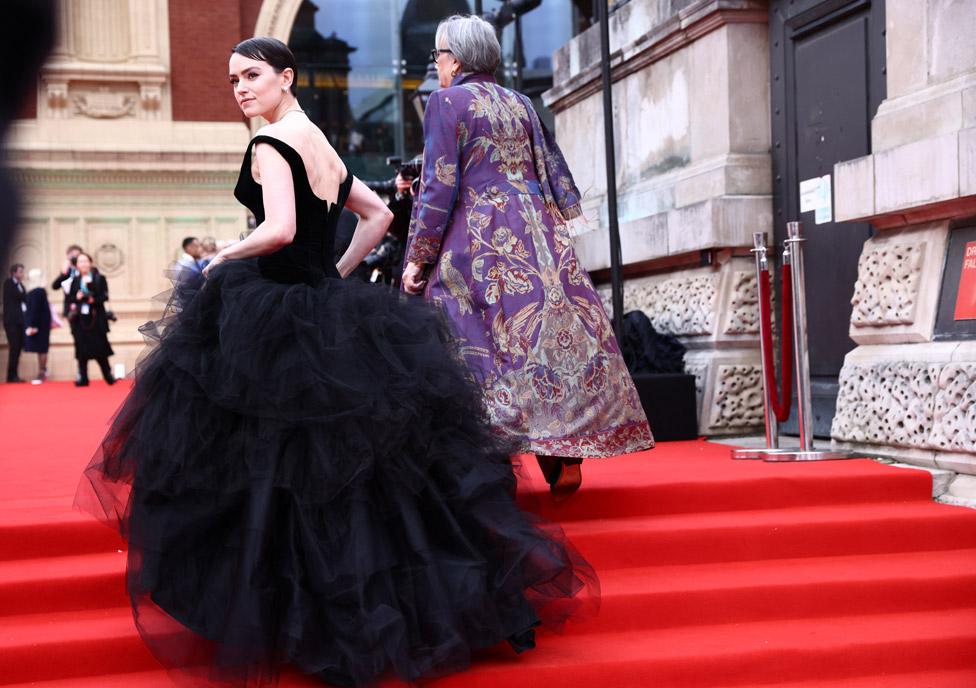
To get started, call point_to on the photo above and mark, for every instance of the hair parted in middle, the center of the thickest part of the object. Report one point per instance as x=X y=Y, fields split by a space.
x=472 y=41
x=272 y=51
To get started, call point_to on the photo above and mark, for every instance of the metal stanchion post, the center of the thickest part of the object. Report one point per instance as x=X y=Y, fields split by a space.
x=769 y=413
x=804 y=403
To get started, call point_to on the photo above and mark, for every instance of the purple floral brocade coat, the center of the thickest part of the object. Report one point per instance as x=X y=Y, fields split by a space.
x=489 y=219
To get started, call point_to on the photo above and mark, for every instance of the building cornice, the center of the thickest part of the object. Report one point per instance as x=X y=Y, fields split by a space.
x=678 y=31
x=104 y=180
x=276 y=18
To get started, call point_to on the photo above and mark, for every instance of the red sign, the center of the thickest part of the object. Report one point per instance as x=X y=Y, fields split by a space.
x=966 y=298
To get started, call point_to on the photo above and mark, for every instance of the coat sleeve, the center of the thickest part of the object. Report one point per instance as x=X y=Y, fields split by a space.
x=552 y=170
x=71 y=296
x=439 y=182
x=32 y=316
x=100 y=292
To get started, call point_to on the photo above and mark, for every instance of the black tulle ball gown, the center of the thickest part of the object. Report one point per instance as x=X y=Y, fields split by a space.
x=305 y=476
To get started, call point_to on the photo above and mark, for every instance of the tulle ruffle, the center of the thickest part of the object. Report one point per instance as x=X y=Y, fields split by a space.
x=305 y=476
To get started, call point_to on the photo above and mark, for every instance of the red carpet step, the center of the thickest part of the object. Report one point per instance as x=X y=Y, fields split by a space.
x=714 y=572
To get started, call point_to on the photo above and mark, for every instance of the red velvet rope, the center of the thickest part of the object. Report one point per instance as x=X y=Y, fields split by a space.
x=779 y=399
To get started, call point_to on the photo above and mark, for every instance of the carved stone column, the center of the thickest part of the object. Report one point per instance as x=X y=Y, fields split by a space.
x=110 y=62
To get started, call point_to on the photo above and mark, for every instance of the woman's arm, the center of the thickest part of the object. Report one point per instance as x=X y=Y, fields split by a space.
x=374 y=219
x=278 y=228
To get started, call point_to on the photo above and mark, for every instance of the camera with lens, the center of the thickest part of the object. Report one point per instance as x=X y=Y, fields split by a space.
x=409 y=170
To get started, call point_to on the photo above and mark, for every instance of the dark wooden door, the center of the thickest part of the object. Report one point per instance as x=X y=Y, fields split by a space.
x=827 y=63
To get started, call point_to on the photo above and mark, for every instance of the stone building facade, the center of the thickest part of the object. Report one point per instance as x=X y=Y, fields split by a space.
x=692 y=106
x=132 y=142
x=694 y=179
x=909 y=387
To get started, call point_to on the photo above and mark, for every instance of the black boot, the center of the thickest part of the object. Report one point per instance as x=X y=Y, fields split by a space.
x=82 y=379
x=106 y=371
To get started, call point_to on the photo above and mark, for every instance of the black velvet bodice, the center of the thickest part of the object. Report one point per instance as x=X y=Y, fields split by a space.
x=309 y=258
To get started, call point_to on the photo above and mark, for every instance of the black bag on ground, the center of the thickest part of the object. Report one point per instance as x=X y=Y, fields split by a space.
x=667 y=393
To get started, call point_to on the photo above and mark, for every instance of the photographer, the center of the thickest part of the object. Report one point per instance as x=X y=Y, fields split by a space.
x=89 y=320
x=68 y=273
x=385 y=262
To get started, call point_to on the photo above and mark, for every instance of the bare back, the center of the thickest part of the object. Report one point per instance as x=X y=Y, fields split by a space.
x=323 y=166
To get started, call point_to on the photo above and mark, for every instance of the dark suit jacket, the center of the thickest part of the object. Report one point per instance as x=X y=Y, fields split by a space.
x=57 y=285
x=14 y=296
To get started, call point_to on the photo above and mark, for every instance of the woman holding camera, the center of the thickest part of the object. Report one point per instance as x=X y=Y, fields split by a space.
x=89 y=321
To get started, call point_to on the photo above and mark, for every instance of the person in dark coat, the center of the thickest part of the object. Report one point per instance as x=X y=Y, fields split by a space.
x=68 y=273
x=14 y=305
x=37 y=321
x=89 y=323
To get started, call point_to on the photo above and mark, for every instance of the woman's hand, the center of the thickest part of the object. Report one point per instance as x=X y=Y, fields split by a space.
x=217 y=260
x=414 y=281
x=31 y=331
x=80 y=296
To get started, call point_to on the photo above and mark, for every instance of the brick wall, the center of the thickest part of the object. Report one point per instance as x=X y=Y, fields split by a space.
x=28 y=108
x=201 y=35
x=249 y=16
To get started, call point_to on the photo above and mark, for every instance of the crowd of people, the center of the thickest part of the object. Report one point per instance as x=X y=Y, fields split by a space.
x=197 y=254
x=29 y=316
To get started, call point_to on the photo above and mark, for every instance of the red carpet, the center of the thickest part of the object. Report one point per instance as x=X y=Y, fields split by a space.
x=714 y=572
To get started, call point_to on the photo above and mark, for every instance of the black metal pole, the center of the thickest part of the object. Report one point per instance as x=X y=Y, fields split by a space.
x=478 y=8
x=616 y=278
x=518 y=52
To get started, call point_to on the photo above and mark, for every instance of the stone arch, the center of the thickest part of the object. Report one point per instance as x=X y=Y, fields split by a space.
x=276 y=18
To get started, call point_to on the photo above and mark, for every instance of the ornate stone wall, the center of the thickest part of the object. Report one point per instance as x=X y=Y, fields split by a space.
x=886 y=398
x=712 y=310
x=886 y=290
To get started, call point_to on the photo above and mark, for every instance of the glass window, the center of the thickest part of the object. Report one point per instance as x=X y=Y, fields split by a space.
x=360 y=63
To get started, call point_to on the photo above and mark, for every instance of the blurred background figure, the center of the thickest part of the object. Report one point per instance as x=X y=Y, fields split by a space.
x=189 y=263
x=89 y=322
x=384 y=263
x=38 y=321
x=208 y=249
x=14 y=305
x=26 y=37
x=68 y=273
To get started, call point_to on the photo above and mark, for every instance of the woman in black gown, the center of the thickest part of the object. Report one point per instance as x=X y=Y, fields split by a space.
x=302 y=470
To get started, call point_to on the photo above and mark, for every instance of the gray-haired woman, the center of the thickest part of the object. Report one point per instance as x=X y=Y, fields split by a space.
x=488 y=241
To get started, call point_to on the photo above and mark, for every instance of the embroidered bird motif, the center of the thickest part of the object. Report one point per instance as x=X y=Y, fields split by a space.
x=452 y=278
